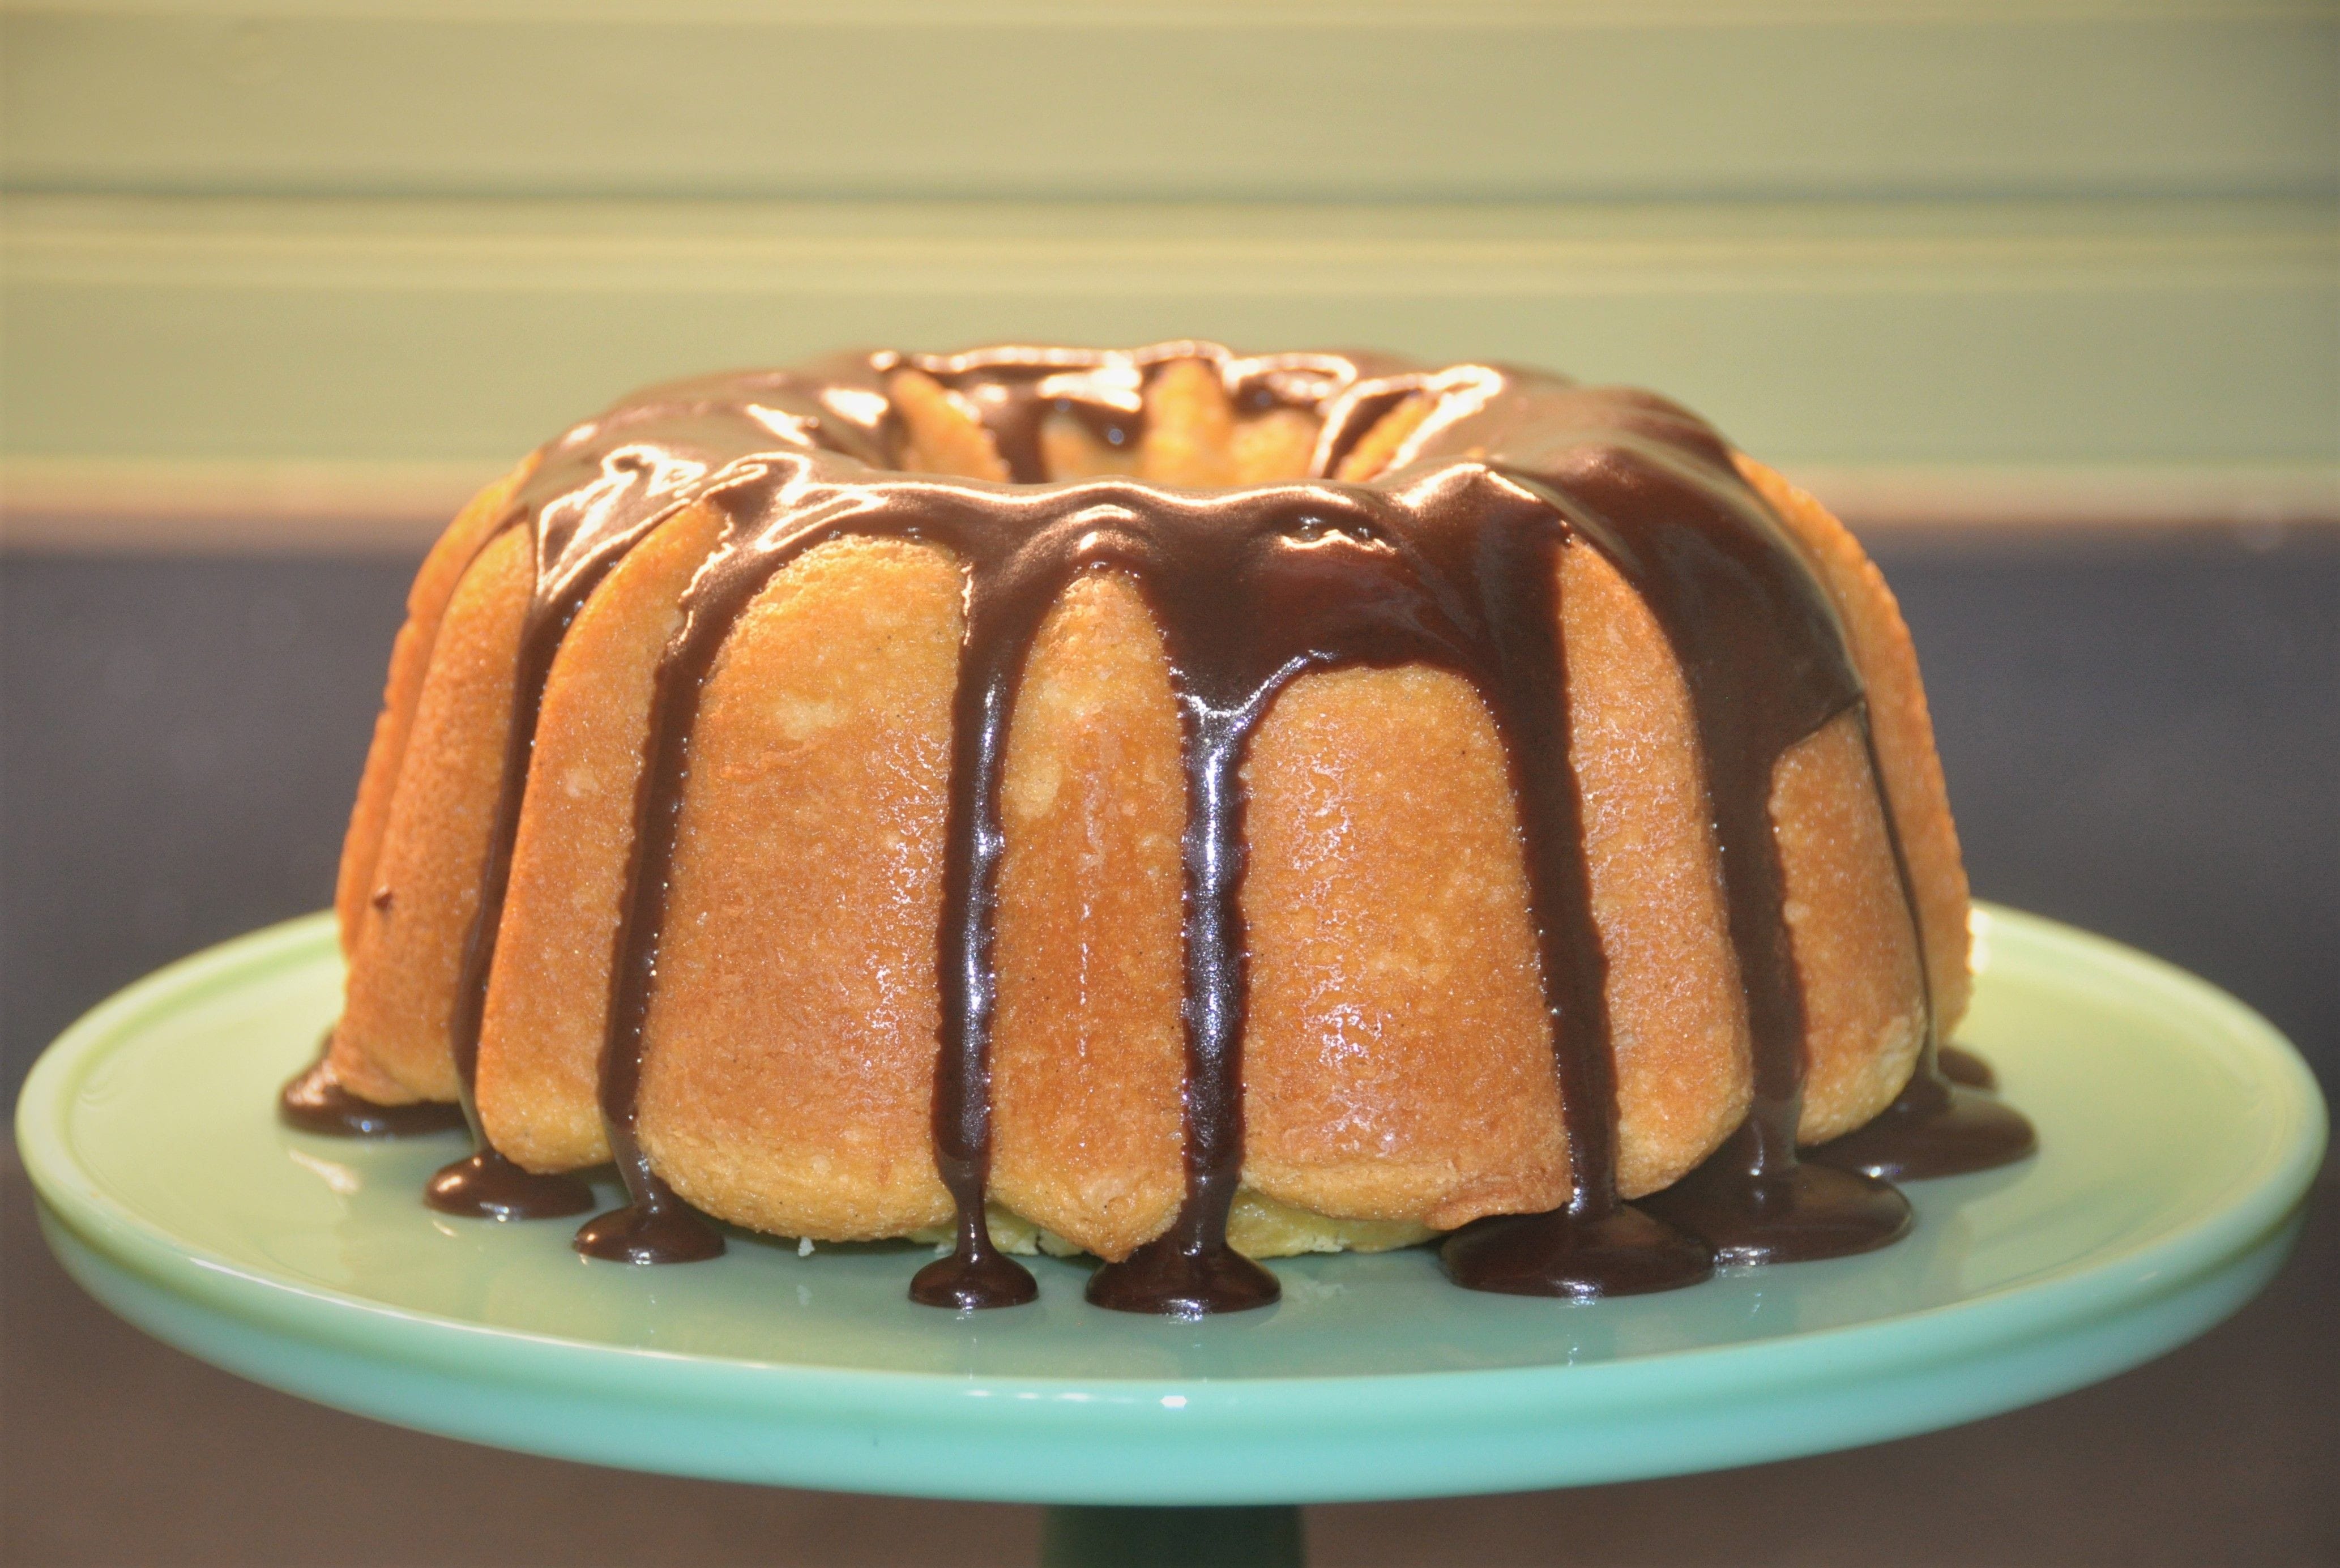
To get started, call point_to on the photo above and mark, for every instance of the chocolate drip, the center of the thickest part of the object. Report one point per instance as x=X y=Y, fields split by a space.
x=1766 y=666
x=1001 y=623
x=1724 y=601
x=1451 y=563
x=1962 y=1066
x=1935 y=1126
x=1190 y=1270
x=315 y=1102
x=486 y=1185
x=655 y=1226
x=596 y=494
x=1595 y=1246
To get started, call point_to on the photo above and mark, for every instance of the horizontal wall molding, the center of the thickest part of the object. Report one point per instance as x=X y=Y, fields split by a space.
x=106 y=506
x=2153 y=336
x=64 y=506
x=1205 y=99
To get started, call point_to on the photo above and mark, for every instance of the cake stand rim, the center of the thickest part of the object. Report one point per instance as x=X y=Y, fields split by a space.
x=2043 y=1338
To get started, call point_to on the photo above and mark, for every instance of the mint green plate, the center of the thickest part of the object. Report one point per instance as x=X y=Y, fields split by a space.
x=2178 y=1137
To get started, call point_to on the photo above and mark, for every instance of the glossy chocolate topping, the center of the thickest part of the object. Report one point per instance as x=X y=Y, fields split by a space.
x=1962 y=1065
x=1448 y=558
x=315 y=1102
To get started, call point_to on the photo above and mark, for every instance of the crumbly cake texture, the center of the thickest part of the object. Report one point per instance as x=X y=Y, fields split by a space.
x=1397 y=1060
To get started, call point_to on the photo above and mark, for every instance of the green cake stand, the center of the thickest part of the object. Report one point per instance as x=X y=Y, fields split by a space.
x=2178 y=1137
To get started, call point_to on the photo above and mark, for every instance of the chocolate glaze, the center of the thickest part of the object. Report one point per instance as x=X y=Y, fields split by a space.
x=486 y=1186
x=583 y=514
x=1936 y=1127
x=1750 y=1214
x=655 y=1226
x=1449 y=559
x=1962 y=1065
x=1766 y=666
x=1942 y=1122
x=1623 y=1251
x=1594 y=1246
x=315 y=1102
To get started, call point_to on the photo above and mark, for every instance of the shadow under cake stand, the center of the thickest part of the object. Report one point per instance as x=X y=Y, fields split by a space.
x=2178 y=1137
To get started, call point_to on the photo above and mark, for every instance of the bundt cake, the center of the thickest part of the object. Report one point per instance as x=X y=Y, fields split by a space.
x=1171 y=805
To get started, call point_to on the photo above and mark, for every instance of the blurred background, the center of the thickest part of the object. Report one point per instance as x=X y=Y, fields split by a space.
x=2044 y=298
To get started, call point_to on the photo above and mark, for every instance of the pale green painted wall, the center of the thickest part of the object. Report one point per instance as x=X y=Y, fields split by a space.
x=1430 y=99
x=2001 y=239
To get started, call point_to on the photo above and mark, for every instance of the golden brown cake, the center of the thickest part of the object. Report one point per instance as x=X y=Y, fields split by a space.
x=1171 y=805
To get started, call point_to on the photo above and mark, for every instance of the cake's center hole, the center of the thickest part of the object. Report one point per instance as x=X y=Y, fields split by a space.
x=1180 y=425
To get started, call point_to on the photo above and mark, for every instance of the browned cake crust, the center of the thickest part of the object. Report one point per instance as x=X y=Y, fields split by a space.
x=1088 y=1057
x=1900 y=727
x=407 y=953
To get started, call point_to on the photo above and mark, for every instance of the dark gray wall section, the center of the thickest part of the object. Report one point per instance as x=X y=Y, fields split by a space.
x=2142 y=737
x=2145 y=740
x=181 y=740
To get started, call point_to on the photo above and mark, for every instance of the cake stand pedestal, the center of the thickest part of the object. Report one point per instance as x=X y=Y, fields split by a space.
x=2178 y=1137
